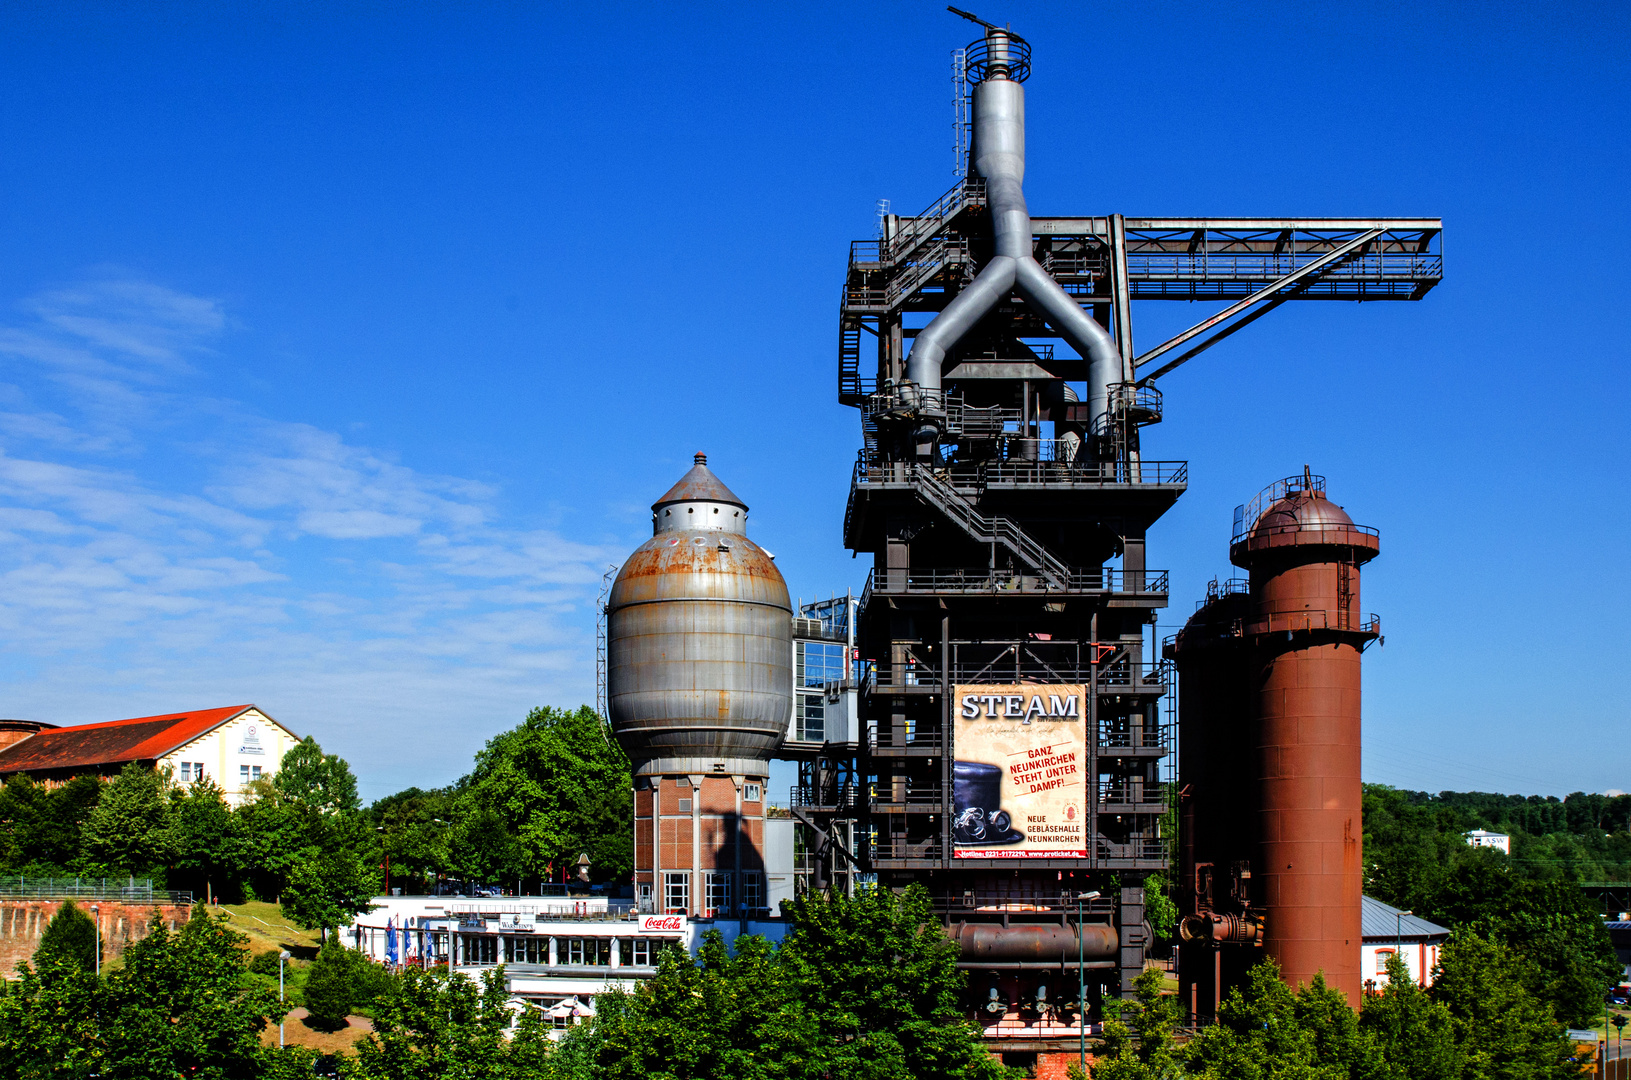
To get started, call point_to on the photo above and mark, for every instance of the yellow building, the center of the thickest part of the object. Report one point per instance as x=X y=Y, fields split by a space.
x=233 y=746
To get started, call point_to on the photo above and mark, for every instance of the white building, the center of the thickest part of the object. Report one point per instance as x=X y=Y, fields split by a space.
x=560 y=952
x=1387 y=930
x=1484 y=838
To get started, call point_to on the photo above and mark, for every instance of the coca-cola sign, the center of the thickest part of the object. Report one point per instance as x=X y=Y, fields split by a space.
x=662 y=924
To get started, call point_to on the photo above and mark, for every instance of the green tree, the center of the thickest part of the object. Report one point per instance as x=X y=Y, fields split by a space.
x=179 y=1007
x=1260 y=1033
x=1502 y=1031
x=274 y=835
x=51 y=1022
x=560 y=783
x=71 y=937
x=204 y=841
x=880 y=978
x=1414 y=1034
x=432 y=1024
x=330 y=992
x=718 y=1015
x=1151 y=1055
x=1552 y=924
x=309 y=777
x=329 y=886
x=129 y=830
x=413 y=832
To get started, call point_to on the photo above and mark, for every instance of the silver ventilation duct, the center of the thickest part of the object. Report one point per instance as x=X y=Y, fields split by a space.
x=999 y=157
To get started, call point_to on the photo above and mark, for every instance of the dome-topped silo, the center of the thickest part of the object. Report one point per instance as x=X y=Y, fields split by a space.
x=699 y=674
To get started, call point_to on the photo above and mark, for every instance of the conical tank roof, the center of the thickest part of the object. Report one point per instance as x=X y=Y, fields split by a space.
x=699 y=485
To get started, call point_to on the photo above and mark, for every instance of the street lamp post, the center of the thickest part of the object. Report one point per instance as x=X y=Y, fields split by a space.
x=281 y=957
x=96 y=912
x=1081 y=975
x=1398 y=933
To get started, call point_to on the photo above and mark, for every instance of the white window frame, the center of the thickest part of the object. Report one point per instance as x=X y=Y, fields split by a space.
x=753 y=890
x=716 y=891
x=753 y=792
x=677 y=893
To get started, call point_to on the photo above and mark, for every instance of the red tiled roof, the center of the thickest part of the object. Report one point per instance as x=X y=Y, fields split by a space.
x=114 y=742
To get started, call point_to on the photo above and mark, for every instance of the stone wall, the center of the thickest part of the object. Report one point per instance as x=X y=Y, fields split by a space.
x=23 y=921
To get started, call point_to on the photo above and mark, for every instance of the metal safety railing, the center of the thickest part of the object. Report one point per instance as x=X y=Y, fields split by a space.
x=1122 y=791
x=984 y=580
x=18 y=886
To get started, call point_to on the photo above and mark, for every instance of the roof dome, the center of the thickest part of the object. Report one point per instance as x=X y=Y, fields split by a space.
x=1298 y=515
x=1307 y=509
x=699 y=485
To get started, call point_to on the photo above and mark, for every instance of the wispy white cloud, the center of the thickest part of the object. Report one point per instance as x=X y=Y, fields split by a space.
x=375 y=605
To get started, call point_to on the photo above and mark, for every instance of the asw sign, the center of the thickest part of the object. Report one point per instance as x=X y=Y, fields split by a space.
x=1019 y=781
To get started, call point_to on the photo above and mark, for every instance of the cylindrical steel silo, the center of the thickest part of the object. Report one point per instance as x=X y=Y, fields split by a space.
x=1217 y=804
x=699 y=674
x=1303 y=553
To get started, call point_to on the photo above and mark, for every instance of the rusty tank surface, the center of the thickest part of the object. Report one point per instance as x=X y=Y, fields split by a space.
x=699 y=675
x=1217 y=801
x=1303 y=553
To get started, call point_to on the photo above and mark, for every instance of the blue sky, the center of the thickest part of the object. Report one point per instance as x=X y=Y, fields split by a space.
x=342 y=346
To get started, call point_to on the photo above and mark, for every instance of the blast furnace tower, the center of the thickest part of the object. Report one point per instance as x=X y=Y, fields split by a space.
x=1013 y=754
x=699 y=686
x=1270 y=729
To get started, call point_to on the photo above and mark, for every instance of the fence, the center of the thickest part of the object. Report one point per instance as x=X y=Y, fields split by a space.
x=132 y=890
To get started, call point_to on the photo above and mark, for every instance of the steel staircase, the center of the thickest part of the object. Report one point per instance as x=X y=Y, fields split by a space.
x=989 y=530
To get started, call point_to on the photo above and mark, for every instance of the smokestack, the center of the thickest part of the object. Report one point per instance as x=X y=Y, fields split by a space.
x=999 y=157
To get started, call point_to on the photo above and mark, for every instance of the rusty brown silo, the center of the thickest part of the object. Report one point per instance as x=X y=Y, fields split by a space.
x=1217 y=803
x=1303 y=553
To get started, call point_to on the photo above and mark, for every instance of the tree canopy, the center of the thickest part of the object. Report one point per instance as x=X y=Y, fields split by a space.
x=1418 y=858
x=178 y=1007
x=553 y=788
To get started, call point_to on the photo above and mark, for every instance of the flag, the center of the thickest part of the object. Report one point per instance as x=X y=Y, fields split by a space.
x=390 y=941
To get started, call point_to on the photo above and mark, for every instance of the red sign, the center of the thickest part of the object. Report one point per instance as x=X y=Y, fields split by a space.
x=662 y=924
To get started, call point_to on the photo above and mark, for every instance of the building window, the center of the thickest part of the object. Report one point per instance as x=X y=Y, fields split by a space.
x=752 y=793
x=243 y=774
x=753 y=890
x=811 y=719
x=815 y=664
x=186 y=772
x=718 y=892
x=1381 y=960
x=589 y=952
x=198 y=770
x=685 y=806
x=676 y=893
x=254 y=772
x=644 y=954
x=645 y=899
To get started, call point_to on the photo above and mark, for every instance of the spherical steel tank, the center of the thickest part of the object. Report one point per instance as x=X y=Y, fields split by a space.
x=1304 y=553
x=699 y=664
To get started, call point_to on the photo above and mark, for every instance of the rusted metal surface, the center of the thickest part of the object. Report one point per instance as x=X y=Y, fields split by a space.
x=1045 y=944
x=699 y=646
x=1216 y=805
x=1304 y=554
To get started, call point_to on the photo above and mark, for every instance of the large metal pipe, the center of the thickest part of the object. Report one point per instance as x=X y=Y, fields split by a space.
x=999 y=157
x=1050 y=943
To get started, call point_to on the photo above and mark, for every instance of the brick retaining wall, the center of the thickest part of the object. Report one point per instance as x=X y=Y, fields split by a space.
x=23 y=921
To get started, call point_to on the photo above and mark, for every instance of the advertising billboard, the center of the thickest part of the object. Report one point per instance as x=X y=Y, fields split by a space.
x=1019 y=779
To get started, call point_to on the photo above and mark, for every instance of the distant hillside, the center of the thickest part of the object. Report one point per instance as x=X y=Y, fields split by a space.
x=1413 y=839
